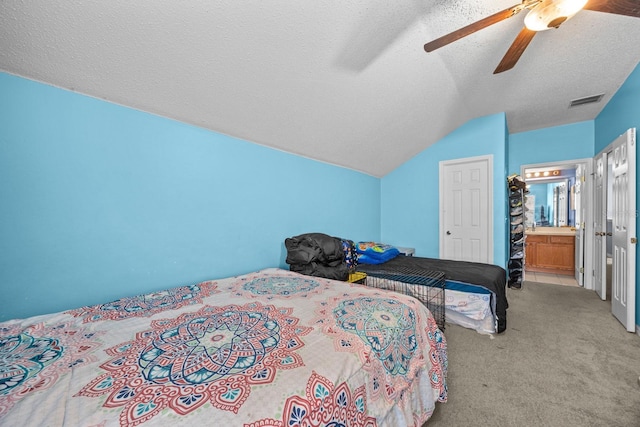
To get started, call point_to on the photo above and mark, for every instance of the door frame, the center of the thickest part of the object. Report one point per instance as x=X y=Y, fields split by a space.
x=489 y=191
x=580 y=235
x=586 y=197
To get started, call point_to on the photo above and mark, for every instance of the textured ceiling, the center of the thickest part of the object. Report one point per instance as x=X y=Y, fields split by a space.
x=344 y=82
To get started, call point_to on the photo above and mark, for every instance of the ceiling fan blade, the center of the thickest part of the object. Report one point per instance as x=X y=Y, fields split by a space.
x=515 y=50
x=618 y=7
x=472 y=28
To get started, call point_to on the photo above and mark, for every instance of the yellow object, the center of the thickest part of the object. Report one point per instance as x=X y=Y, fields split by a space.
x=357 y=277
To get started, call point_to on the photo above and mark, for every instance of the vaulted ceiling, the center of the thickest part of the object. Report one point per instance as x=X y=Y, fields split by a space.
x=344 y=82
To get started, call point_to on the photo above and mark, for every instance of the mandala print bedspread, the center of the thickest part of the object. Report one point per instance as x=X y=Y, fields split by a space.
x=272 y=348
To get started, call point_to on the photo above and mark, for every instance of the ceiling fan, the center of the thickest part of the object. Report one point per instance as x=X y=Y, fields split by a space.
x=542 y=15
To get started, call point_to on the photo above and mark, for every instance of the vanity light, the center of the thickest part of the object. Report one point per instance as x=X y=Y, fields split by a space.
x=543 y=174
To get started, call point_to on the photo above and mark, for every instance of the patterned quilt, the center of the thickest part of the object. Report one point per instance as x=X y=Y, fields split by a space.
x=271 y=348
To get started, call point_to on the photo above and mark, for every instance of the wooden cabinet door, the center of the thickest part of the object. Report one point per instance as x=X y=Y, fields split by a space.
x=555 y=255
x=531 y=251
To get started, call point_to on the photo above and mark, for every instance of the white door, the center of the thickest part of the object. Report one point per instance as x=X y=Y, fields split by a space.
x=579 y=243
x=466 y=205
x=623 y=285
x=599 y=227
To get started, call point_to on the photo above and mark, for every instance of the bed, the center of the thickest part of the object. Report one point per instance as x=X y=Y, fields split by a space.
x=475 y=295
x=270 y=348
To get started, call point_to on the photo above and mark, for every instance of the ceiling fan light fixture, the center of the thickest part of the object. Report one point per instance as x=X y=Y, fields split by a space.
x=552 y=13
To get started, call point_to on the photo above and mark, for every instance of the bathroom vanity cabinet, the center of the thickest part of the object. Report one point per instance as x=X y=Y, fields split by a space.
x=550 y=253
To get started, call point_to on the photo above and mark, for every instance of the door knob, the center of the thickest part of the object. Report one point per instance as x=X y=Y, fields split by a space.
x=448 y=233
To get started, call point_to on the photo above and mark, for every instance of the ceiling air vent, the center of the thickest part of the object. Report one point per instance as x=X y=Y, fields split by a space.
x=586 y=100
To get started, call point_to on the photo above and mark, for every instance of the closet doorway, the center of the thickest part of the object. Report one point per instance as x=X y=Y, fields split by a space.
x=557 y=206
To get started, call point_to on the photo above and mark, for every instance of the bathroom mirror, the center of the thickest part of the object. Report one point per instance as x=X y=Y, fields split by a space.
x=552 y=206
x=551 y=198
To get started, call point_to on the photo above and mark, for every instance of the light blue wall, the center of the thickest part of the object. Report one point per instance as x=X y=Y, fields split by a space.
x=99 y=201
x=554 y=144
x=409 y=194
x=620 y=114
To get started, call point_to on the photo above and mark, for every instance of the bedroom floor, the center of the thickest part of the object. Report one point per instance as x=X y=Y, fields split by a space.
x=554 y=279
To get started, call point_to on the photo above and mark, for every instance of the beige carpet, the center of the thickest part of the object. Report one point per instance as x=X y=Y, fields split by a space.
x=563 y=361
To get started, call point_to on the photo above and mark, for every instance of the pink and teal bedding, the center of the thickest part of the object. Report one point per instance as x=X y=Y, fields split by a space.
x=271 y=348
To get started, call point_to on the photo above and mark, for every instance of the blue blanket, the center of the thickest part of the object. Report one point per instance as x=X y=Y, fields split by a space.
x=375 y=253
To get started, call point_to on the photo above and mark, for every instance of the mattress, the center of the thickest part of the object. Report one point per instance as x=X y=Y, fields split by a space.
x=270 y=348
x=470 y=307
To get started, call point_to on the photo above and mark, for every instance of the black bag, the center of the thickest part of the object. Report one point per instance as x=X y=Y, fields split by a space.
x=317 y=254
x=311 y=247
